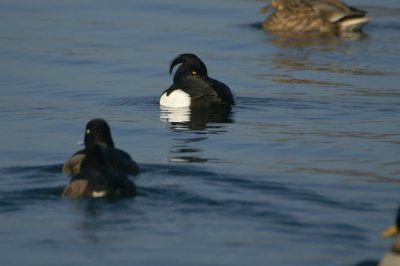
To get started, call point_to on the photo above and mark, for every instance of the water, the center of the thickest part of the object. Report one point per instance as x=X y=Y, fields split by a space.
x=303 y=171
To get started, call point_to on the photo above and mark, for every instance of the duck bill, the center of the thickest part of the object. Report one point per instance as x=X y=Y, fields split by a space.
x=391 y=231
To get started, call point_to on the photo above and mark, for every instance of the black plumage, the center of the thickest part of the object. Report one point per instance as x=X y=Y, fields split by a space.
x=98 y=178
x=192 y=78
x=98 y=132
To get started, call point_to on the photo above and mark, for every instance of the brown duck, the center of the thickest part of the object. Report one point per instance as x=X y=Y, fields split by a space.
x=313 y=16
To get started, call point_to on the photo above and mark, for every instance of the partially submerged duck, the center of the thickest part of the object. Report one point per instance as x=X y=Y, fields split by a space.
x=392 y=258
x=98 y=132
x=97 y=178
x=193 y=87
x=313 y=16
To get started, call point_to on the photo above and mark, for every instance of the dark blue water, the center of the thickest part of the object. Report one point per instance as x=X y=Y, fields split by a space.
x=305 y=170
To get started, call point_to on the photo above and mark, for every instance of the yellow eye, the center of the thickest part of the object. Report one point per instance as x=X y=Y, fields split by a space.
x=87 y=131
x=194 y=73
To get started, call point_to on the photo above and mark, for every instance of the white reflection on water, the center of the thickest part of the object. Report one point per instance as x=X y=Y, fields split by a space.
x=195 y=118
x=174 y=115
x=195 y=122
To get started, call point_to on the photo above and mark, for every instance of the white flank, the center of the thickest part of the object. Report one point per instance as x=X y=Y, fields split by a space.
x=99 y=194
x=353 y=24
x=175 y=99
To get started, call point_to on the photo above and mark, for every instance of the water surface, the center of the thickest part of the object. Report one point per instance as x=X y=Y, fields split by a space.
x=304 y=170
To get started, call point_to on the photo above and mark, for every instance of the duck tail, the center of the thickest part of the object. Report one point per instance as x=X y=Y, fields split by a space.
x=351 y=24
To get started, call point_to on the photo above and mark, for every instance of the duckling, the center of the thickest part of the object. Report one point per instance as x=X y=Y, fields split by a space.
x=392 y=258
x=313 y=16
x=98 y=132
x=97 y=178
x=192 y=87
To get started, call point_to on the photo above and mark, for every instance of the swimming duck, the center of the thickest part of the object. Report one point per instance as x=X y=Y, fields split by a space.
x=392 y=258
x=313 y=16
x=192 y=87
x=97 y=178
x=98 y=132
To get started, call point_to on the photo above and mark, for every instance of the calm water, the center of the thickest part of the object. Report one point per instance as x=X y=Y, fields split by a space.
x=305 y=170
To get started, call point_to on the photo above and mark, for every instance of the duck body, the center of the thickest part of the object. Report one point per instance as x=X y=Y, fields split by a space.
x=116 y=158
x=313 y=16
x=100 y=182
x=98 y=132
x=193 y=88
x=195 y=91
x=98 y=178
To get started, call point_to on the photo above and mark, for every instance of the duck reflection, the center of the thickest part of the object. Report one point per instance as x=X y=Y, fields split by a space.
x=197 y=124
x=291 y=67
x=183 y=119
x=327 y=40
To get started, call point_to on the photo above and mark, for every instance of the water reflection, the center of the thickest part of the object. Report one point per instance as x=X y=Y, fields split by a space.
x=367 y=263
x=302 y=41
x=195 y=118
x=198 y=124
x=305 y=61
x=289 y=66
x=97 y=216
x=185 y=151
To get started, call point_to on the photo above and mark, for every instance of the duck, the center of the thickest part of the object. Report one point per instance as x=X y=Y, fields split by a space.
x=98 y=131
x=98 y=178
x=313 y=16
x=192 y=87
x=392 y=258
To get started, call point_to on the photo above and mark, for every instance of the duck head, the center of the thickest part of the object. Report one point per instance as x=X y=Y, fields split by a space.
x=191 y=65
x=99 y=132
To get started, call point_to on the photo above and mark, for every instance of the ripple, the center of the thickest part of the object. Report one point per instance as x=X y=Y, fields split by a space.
x=26 y=185
x=138 y=103
x=319 y=83
x=302 y=64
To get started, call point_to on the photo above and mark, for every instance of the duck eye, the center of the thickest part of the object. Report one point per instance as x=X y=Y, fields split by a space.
x=194 y=73
x=87 y=131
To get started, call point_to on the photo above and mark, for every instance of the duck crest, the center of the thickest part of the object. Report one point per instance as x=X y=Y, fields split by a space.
x=191 y=65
